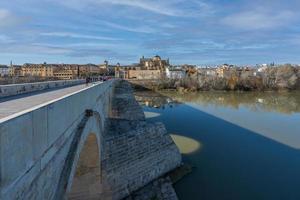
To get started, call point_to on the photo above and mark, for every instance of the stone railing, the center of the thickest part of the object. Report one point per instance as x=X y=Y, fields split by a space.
x=15 y=89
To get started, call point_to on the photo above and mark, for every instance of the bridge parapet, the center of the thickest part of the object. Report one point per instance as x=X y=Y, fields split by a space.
x=16 y=89
x=29 y=140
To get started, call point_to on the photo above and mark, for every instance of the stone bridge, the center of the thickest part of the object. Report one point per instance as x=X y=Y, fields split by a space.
x=91 y=143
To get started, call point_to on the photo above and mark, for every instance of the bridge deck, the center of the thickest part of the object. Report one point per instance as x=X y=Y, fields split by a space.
x=19 y=103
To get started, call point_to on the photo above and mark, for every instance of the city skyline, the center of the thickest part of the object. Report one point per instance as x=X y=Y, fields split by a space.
x=196 y=32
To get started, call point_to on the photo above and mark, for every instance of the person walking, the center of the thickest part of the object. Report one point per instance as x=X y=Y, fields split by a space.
x=87 y=80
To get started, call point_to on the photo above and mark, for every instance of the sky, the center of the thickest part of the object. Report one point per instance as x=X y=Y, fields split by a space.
x=202 y=32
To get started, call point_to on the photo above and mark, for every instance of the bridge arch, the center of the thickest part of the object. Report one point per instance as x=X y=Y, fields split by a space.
x=86 y=180
x=81 y=176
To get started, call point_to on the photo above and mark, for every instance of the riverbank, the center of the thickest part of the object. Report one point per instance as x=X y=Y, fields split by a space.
x=272 y=79
x=216 y=84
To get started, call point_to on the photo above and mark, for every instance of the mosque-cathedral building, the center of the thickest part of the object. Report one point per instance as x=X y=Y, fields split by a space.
x=148 y=68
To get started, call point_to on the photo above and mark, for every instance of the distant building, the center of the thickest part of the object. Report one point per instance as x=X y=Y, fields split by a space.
x=220 y=72
x=103 y=66
x=61 y=71
x=136 y=73
x=262 y=69
x=144 y=74
x=88 y=69
x=15 y=70
x=42 y=70
x=223 y=70
x=148 y=68
x=207 y=71
x=65 y=74
x=155 y=63
x=4 y=70
x=175 y=73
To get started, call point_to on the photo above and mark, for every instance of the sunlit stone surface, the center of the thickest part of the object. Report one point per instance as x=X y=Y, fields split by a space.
x=186 y=145
x=151 y=114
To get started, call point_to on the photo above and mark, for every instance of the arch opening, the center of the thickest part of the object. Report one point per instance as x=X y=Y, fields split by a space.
x=86 y=182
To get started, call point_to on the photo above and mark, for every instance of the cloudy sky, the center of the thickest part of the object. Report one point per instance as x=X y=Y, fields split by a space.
x=186 y=31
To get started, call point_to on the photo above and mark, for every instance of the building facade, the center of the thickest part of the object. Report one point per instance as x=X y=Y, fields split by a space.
x=4 y=70
x=16 y=70
x=223 y=71
x=144 y=74
x=60 y=71
x=175 y=73
x=42 y=70
x=65 y=74
x=147 y=68
x=155 y=63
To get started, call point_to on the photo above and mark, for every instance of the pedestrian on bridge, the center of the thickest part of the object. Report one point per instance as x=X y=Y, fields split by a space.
x=87 y=80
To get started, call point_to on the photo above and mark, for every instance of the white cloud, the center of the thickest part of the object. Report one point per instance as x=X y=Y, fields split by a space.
x=259 y=19
x=155 y=6
x=152 y=6
x=161 y=7
x=78 y=36
x=138 y=29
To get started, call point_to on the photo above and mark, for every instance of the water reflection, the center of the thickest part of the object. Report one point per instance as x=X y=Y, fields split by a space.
x=286 y=102
x=272 y=115
x=155 y=100
x=244 y=145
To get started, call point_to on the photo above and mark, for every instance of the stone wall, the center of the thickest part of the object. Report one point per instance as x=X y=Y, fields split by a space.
x=135 y=152
x=133 y=158
x=15 y=89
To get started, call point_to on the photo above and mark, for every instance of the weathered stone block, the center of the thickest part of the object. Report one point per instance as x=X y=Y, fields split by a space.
x=40 y=131
x=57 y=120
x=16 y=190
x=16 y=148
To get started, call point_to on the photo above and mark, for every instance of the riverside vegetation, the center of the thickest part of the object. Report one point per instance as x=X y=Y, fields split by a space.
x=284 y=77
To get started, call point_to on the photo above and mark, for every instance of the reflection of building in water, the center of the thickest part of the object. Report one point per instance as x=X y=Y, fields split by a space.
x=148 y=68
x=154 y=100
x=287 y=103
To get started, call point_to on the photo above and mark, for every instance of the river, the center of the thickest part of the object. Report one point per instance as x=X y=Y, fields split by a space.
x=243 y=146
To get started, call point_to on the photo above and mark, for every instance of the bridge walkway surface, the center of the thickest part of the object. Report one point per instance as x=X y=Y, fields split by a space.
x=20 y=103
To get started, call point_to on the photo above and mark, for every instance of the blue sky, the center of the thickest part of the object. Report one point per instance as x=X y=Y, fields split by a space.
x=186 y=31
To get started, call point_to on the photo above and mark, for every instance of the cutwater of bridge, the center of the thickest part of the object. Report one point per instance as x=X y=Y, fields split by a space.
x=91 y=144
